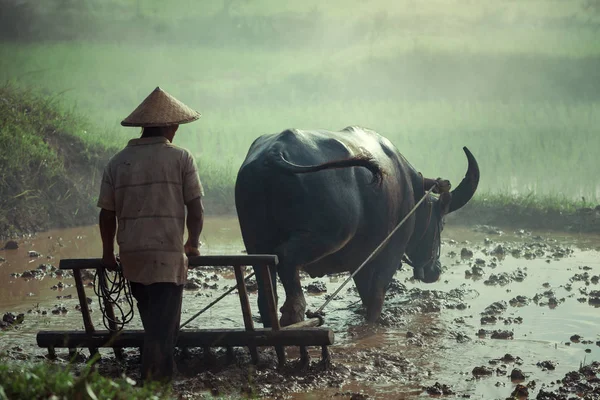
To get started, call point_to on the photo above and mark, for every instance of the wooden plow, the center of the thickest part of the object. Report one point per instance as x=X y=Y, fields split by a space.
x=303 y=334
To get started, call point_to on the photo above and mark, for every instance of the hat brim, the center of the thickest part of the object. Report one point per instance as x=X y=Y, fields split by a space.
x=160 y=109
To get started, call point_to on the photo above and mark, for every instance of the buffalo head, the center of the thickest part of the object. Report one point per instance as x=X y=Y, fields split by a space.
x=423 y=251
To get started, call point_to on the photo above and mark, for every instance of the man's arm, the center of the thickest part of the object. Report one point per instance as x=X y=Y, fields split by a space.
x=108 y=230
x=194 y=223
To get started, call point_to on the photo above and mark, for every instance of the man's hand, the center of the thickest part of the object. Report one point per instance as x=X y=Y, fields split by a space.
x=109 y=261
x=191 y=249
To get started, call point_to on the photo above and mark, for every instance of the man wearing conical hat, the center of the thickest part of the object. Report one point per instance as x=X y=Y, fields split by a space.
x=144 y=194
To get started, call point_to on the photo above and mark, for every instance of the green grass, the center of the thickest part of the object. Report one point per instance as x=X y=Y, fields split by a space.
x=522 y=144
x=42 y=381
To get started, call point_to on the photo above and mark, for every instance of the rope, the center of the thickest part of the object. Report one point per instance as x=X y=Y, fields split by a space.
x=109 y=287
x=319 y=312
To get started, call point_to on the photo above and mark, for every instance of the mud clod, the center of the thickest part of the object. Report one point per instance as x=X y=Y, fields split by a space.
x=519 y=301
x=482 y=371
x=547 y=365
x=11 y=320
x=509 y=358
x=475 y=272
x=575 y=338
x=488 y=319
x=520 y=391
x=316 y=287
x=497 y=334
x=252 y=286
x=466 y=253
x=499 y=251
x=505 y=278
x=353 y=395
x=462 y=338
x=395 y=288
x=438 y=389
x=496 y=308
x=511 y=320
x=193 y=284
x=59 y=309
x=594 y=298
x=11 y=245
x=517 y=375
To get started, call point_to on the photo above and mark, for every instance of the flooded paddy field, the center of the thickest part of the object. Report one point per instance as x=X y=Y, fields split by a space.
x=514 y=310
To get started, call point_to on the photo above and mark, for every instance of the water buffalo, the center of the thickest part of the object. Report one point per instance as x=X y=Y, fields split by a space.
x=323 y=201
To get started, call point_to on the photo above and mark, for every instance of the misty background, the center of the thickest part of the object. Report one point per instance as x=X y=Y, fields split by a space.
x=518 y=82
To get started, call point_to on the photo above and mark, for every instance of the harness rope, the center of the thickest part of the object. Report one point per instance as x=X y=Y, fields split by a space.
x=109 y=288
x=319 y=313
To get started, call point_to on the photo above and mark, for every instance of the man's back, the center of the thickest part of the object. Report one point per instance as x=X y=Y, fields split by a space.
x=147 y=185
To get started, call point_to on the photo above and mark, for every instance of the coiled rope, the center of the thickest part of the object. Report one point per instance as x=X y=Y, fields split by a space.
x=113 y=289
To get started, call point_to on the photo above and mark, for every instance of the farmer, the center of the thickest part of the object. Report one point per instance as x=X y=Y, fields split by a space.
x=144 y=192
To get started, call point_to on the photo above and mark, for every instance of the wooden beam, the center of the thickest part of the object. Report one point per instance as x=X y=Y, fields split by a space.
x=246 y=310
x=270 y=296
x=85 y=311
x=307 y=323
x=196 y=261
x=191 y=338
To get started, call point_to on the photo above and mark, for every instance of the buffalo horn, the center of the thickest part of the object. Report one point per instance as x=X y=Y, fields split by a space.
x=466 y=189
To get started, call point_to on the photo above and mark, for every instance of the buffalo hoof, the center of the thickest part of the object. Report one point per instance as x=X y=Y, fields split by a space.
x=292 y=312
x=290 y=319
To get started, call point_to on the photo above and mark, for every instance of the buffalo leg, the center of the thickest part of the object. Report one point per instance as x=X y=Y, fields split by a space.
x=262 y=299
x=294 y=307
x=362 y=280
x=385 y=265
x=300 y=250
x=383 y=269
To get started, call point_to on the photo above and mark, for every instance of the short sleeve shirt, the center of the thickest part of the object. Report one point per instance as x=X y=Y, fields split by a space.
x=147 y=185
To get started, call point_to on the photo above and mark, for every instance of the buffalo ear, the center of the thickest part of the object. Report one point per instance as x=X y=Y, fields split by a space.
x=445 y=200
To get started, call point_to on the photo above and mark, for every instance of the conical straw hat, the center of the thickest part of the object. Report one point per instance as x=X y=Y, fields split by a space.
x=160 y=109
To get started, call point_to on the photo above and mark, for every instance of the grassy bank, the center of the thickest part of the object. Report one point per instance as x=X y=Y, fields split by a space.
x=530 y=212
x=43 y=381
x=48 y=174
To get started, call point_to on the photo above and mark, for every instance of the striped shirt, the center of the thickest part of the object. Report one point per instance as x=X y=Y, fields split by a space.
x=147 y=185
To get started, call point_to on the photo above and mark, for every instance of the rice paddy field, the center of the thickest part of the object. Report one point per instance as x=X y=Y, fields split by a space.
x=518 y=82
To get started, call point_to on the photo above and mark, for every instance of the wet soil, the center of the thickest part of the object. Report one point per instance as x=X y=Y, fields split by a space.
x=515 y=312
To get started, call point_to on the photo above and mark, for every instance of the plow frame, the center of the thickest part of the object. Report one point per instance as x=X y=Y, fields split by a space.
x=303 y=334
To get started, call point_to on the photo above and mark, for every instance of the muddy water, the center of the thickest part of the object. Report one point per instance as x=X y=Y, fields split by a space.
x=428 y=334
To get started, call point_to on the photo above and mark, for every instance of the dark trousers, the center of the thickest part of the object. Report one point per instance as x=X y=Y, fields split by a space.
x=159 y=305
